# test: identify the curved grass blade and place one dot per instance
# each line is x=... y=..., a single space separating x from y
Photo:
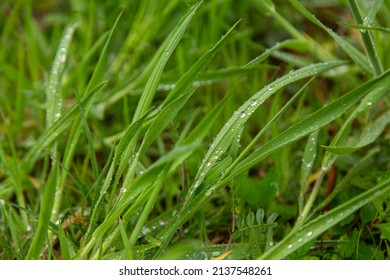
x=53 y=92
x=129 y=197
x=164 y=54
x=312 y=229
x=195 y=137
x=227 y=134
x=198 y=193
x=369 y=134
x=291 y=43
x=49 y=135
x=315 y=121
x=76 y=129
x=373 y=96
x=178 y=97
x=352 y=52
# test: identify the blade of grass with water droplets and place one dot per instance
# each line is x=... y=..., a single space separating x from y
x=353 y=53
x=164 y=54
x=225 y=137
x=369 y=134
x=313 y=122
x=379 y=91
x=196 y=197
x=178 y=97
x=314 y=228
x=63 y=122
x=53 y=91
x=309 y=156
x=369 y=45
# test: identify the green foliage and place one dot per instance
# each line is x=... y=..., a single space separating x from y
x=178 y=129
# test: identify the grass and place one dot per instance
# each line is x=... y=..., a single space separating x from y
x=194 y=130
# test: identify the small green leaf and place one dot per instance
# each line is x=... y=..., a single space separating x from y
x=260 y=216
x=385 y=230
x=272 y=218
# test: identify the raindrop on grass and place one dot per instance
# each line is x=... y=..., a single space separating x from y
x=309 y=233
x=242 y=115
x=253 y=102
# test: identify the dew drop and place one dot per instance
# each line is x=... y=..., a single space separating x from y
x=242 y=115
x=208 y=164
x=289 y=246
x=216 y=253
x=253 y=102
x=300 y=240
x=309 y=233
x=329 y=220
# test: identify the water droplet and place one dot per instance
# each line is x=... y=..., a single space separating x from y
x=300 y=240
x=289 y=246
x=369 y=103
x=309 y=233
x=271 y=244
x=242 y=115
x=329 y=220
x=208 y=164
x=62 y=58
x=235 y=112
x=253 y=102
x=341 y=214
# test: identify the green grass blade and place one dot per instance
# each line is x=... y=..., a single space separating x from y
x=178 y=97
x=352 y=52
x=366 y=38
x=307 y=165
x=165 y=52
x=67 y=251
x=199 y=193
x=291 y=43
x=374 y=96
x=315 y=121
x=314 y=228
x=44 y=215
x=63 y=122
x=95 y=165
x=53 y=91
x=369 y=134
x=227 y=134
